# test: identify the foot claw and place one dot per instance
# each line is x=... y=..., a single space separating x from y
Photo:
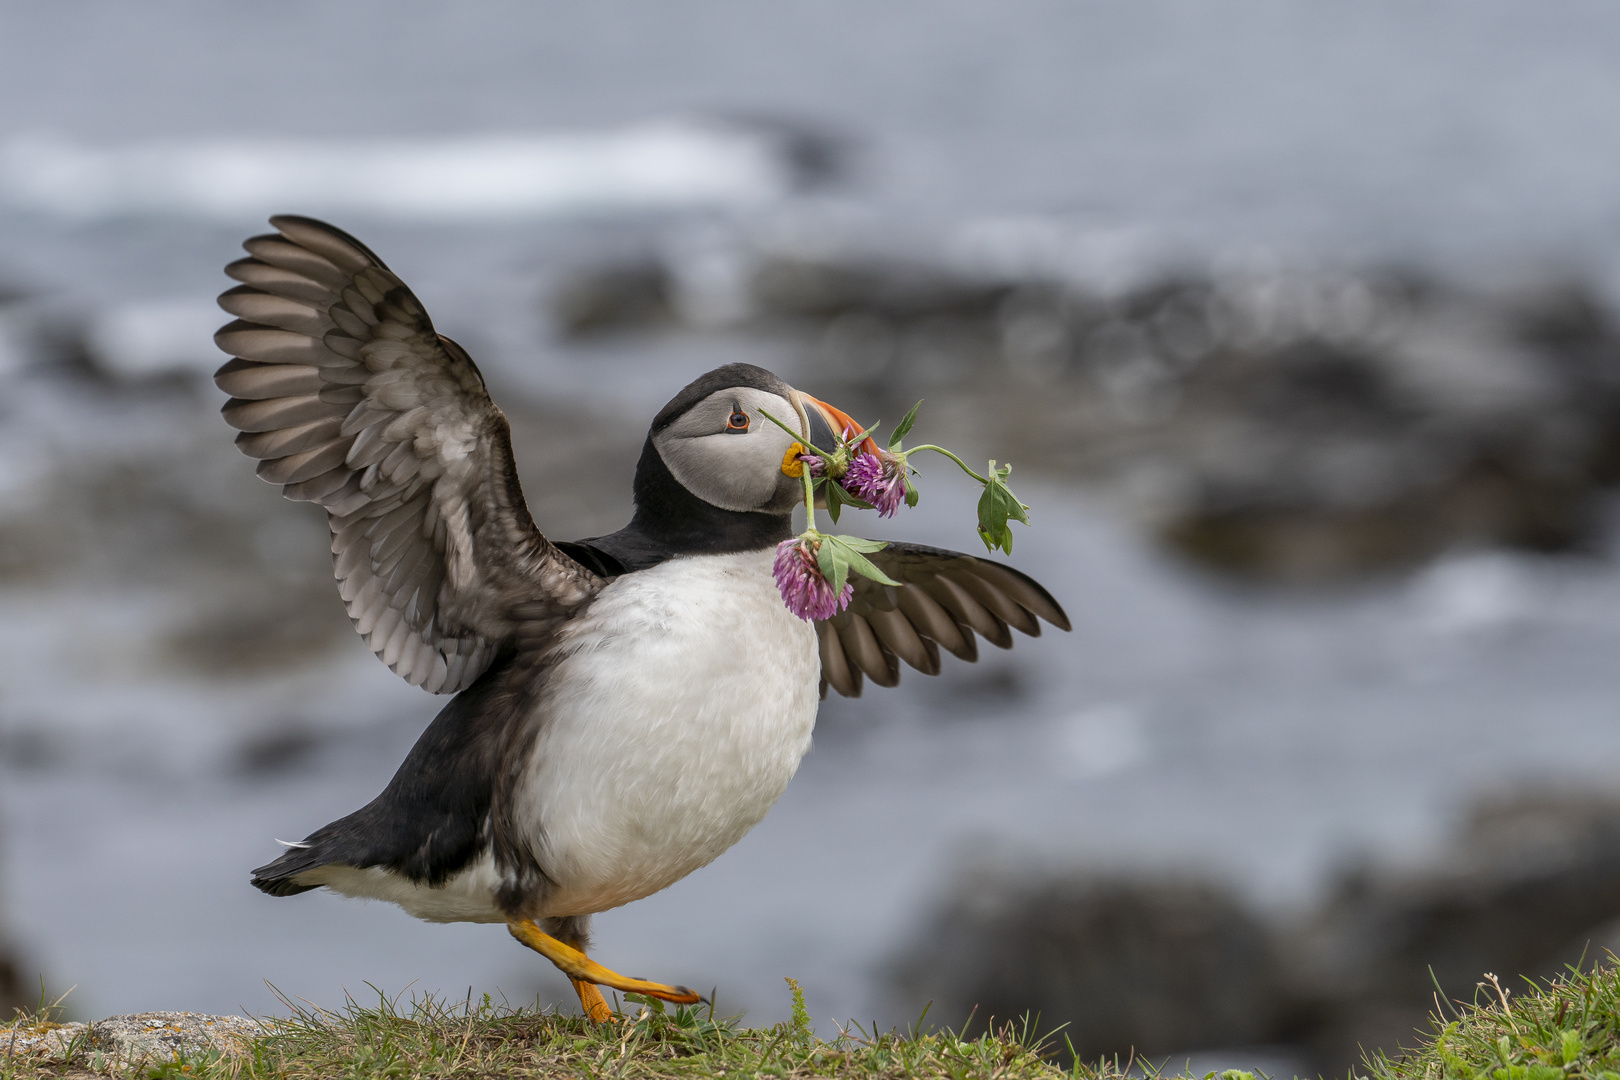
x=676 y=995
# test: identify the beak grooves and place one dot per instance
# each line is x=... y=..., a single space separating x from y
x=838 y=422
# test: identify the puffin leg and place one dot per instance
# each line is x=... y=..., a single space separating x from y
x=575 y=933
x=581 y=969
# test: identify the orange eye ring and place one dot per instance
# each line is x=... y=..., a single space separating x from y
x=739 y=421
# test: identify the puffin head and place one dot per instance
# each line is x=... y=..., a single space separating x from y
x=716 y=443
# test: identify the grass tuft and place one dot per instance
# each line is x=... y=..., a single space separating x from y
x=431 y=1037
x=1565 y=1028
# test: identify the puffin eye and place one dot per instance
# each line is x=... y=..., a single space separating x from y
x=738 y=422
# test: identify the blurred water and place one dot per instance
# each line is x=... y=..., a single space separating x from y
x=1261 y=737
x=502 y=177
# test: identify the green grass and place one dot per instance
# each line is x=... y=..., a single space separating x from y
x=429 y=1037
x=485 y=1039
x=1567 y=1028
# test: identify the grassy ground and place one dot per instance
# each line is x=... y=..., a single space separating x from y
x=1568 y=1030
x=434 y=1038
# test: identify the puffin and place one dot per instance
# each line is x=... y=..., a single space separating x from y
x=625 y=707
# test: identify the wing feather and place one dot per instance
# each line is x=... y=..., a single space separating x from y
x=279 y=280
x=996 y=602
x=934 y=622
x=836 y=670
x=896 y=633
x=968 y=611
x=350 y=399
x=944 y=599
x=247 y=303
x=284 y=441
x=864 y=650
x=245 y=379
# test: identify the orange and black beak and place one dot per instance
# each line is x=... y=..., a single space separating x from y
x=828 y=425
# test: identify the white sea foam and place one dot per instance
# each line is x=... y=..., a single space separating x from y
x=651 y=166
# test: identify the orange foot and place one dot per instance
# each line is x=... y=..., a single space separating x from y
x=590 y=1000
x=586 y=974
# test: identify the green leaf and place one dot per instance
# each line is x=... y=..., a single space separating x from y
x=837 y=498
x=864 y=567
x=904 y=428
x=833 y=560
x=997 y=506
x=850 y=548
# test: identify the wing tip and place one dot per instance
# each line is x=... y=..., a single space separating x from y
x=298 y=229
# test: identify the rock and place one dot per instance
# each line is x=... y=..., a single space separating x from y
x=1451 y=419
x=1308 y=426
x=634 y=295
x=161 y=1036
x=127 y=1042
x=1530 y=884
x=1154 y=965
x=820 y=289
x=43 y=1040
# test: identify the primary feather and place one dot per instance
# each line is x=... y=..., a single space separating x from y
x=944 y=598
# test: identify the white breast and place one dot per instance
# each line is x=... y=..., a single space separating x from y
x=679 y=712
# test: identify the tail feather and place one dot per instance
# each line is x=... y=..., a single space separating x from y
x=276 y=878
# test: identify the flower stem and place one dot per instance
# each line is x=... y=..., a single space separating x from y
x=804 y=476
x=941 y=450
x=803 y=439
x=809 y=499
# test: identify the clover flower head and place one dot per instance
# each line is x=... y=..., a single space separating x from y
x=805 y=590
x=878 y=480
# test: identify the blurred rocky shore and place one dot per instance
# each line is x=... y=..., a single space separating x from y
x=1279 y=424
x=1287 y=427
x=1160 y=966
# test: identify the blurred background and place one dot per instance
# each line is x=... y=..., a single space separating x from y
x=1297 y=321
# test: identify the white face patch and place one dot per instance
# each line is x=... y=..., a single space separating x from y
x=724 y=451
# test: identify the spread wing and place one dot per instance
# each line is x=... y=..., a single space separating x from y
x=349 y=398
x=946 y=598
